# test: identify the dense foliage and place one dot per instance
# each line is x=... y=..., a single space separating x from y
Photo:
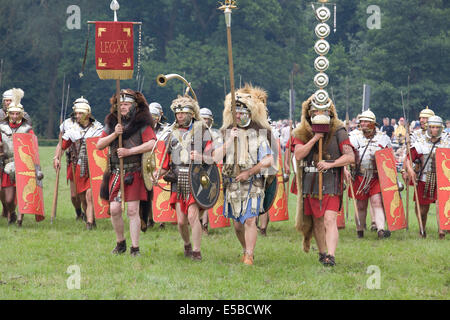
x=271 y=38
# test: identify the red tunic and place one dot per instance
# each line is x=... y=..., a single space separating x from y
x=136 y=190
x=312 y=204
x=82 y=183
x=424 y=199
x=6 y=181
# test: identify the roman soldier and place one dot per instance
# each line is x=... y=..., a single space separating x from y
x=13 y=122
x=74 y=137
x=138 y=138
x=423 y=119
x=246 y=169
x=6 y=101
x=146 y=211
x=208 y=118
x=187 y=143
x=425 y=152
x=315 y=215
x=69 y=124
x=366 y=184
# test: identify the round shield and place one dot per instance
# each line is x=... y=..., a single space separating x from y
x=204 y=181
x=148 y=166
x=270 y=194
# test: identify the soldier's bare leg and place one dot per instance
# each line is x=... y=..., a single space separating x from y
x=196 y=227
x=135 y=222
x=10 y=195
x=319 y=234
x=204 y=220
x=183 y=227
x=89 y=206
x=76 y=201
x=263 y=222
x=2 y=199
x=362 y=214
x=239 y=229
x=331 y=231
x=117 y=220
x=251 y=233
x=376 y=204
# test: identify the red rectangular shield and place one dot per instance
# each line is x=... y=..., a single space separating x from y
x=392 y=202
x=29 y=192
x=279 y=209
x=162 y=211
x=98 y=164
x=443 y=186
x=216 y=218
x=114 y=50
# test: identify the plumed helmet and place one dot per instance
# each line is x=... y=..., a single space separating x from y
x=426 y=113
x=17 y=95
x=367 y=116
x=206 y=113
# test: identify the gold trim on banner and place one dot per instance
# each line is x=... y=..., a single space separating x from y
x=115 y=74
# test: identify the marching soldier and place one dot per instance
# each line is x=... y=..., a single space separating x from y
x=69 y=124
x=366 y=183
x=75 y=138
x=138 y=138
x=315 y=215
x=208 y=118
x=13 y=122
x=424 y=115
x=244 y=183
x=425 y=152
x=181 y=152
x=159 y=129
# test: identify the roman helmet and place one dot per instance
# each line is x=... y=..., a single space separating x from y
x=368 y=116
x=435 y=121
x=82 y=105
x=426 y=113
x=155 y=111
x=207 y=116
x=7 y=95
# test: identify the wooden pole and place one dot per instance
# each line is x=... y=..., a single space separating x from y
x=320 y=173
x=119 y=120
x=58 y=170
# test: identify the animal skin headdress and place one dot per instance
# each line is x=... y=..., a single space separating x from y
x=187 y=101
x=304 y=131
x=255 y=99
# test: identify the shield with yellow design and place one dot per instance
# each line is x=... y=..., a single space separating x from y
x=279 y=209
x=30 y=198
x=392 y=202
x=98 y=164
x=443 y=186
x=162 y=211
x=215 y=214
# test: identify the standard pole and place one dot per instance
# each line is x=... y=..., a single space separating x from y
x=119 y=120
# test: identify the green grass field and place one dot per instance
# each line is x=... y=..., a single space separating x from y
x=35 y=258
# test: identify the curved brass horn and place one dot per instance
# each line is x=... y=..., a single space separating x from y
x=162 y=80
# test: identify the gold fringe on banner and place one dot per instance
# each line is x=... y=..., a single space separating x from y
x=115 y=74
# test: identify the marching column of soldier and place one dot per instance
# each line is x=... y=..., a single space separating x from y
x=245 y=185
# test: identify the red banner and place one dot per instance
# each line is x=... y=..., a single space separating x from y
x=98 y=164
x=387 y=173
x=443 y=186
x=279 y=209
x=29 y=193
x=215 y=214
x=162 y=211
x=114 y=50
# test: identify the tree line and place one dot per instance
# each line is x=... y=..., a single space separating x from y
x=272 y=39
